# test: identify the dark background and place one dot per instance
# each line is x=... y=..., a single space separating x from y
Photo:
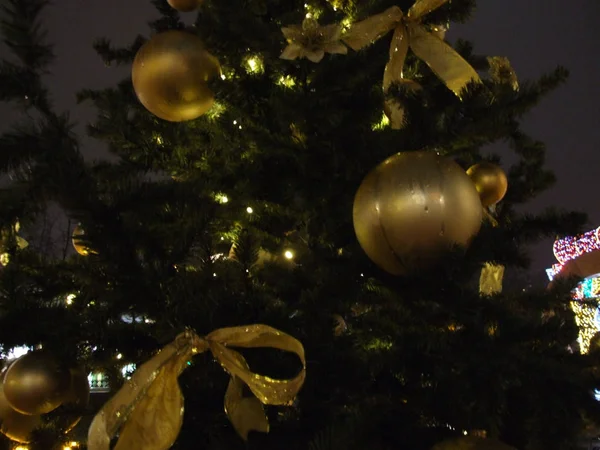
x=536 y=35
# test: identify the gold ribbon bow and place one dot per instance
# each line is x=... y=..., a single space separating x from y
x=148 y=410
x=445 y=62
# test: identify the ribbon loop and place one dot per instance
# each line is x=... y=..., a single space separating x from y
x=444 y=61
x=423 y=7
x=148 y=409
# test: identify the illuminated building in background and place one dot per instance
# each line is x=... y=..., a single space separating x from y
x=579 y=256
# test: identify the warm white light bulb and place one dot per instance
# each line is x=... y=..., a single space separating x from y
x=288 y=254
x=249 y=210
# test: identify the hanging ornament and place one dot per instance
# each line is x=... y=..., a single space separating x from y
x=490 y=181
x=409 y=33
x=13 y=424
x=8 y=237
x=18 y=426
x=184 y=5
x=472 y=443
x=311 y=41
x=170 y=76
x=490 y=280
x=78 y=242
x=75 y=402
x=36 y=383
x=147 y=412
x=412 y=207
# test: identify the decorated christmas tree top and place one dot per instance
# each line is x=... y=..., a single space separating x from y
x=284 y=168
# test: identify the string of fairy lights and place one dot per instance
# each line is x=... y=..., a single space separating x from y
x=586 y=315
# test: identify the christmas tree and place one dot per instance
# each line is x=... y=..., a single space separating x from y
x=247 y=190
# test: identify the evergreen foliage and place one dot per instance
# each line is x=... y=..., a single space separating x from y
x=420 y=358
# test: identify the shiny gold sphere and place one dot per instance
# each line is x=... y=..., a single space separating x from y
x=78 y=244
x=412 y=207
x=184 y=5
x=36 y=383
x=13 y=424
x=170 y=75
x=76 y=401
x=490 y=181
x=471 y=443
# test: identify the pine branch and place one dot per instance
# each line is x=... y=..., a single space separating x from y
x=111 y=55
x=25 y=37
x=168 y=21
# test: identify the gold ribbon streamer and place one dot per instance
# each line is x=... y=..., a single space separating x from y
x=443 y=60
x=148 y=409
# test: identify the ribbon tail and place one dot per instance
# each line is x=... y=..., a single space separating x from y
x=245 y=413
x=372 y=28
x=164 y=367
x=444 y=61
x=422 y=7
x=398 y=52
x=393 y=109
x=267 y=390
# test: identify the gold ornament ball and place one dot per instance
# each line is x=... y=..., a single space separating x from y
x=184 y=5
x=490 y=181
x=472 y=443
x=412 y=207
x=36 y=383
x=75 y=402
x=78 y=244
x=13 y=424
x=170 y=75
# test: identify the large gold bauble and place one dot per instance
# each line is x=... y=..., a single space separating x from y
x=412 y=207
x=184 y=5
x=68 y=415
x=78 y=243
x=170 y=75
x=36 y=383
x=13 y=424
x=471 y=443
x=490 y=181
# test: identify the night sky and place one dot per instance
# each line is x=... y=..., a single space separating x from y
x=536 y=35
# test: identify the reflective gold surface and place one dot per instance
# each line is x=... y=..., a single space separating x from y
x=170 y=75
x=413 y=206
x=76 y=400
x=490 y=181
x=148 y=409
x=13 y=424
x=36 y=383
x=78 y=244
x=184 y=5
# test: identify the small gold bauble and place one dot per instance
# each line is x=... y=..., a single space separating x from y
x=412 y=207
x=78 y=244
x=36 y=383
x=170 y=75
x=184 y=5
x=471 y=443
x=490 y=181
x=13 y=424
